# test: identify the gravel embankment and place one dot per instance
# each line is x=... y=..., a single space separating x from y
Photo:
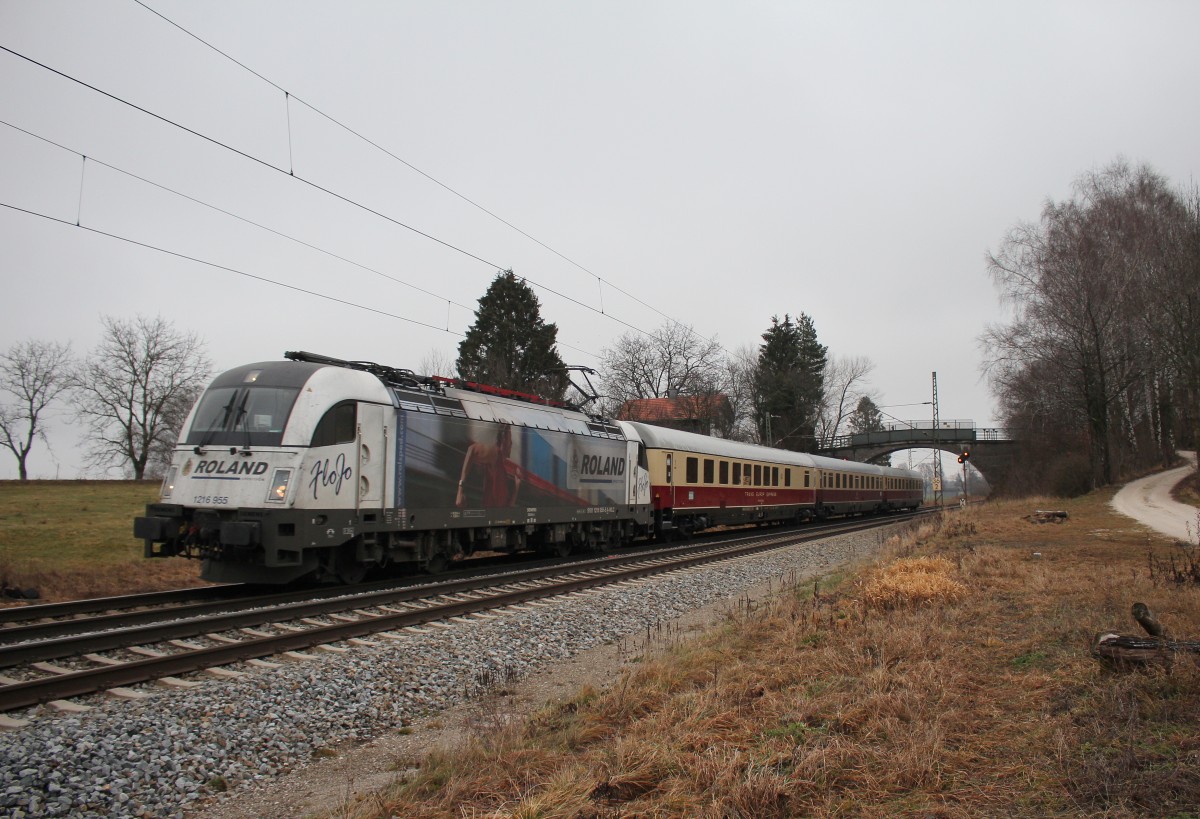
x=154 y=757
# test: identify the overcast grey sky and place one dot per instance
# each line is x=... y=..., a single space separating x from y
x=722 y=162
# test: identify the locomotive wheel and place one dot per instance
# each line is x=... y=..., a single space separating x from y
x=437 y=564
x=614 y=539
x=346 y=566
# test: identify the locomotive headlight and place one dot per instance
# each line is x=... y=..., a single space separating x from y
x=279 y=486
x=169 y=483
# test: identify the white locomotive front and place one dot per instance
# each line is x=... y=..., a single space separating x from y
x=315 y=467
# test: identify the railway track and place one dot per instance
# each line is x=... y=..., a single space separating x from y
x=201 y=637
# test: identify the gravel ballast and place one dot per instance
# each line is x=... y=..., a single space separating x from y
x=158 y=756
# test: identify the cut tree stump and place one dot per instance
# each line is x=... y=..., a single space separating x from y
x=1044 y=516
x=1123 y=652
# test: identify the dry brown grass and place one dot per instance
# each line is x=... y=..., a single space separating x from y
x=954 y=681
x=912 y=582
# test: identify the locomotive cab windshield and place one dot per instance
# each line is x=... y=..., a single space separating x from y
x=247 y=406
x=237 y=416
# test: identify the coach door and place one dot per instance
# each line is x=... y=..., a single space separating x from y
x=372 y=454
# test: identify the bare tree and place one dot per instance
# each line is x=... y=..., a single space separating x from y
x=437 y=362
x=1172 y=317
x=672 y=361
x=133 y=391
x=1086 y=285
x=740 y=388
x=845 y=382
x=35 y=374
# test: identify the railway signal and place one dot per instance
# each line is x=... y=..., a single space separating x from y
x=964 y=456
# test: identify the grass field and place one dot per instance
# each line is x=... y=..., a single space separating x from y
x=72 y=539
x=953 y=679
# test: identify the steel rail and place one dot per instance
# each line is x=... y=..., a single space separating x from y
x=207 y=618
x=218 y=592
x=77 y=683
x=55 y=639
x=90 y=605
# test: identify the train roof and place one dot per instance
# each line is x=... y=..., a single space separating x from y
x=267 y=373
x=666 y=438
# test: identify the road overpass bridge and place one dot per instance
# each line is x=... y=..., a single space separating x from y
x=992 y=450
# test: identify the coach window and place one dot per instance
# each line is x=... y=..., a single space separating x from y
x=774 y=476
x=737 y=473
x=708 y=470
x=693 y=470
x=806 y=479
x=787 y=477
x=338 y=426
x=758 y=474
x=724 y=473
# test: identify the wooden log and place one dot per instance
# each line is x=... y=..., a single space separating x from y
x=1122 y=652
x=1043 y=516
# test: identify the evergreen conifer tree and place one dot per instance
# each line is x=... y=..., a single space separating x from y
x=510 y=345
x=866 y=416
x=790 y=383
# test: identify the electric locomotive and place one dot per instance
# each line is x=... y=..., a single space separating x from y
x=319 y=468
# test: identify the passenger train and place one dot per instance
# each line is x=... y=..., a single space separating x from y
x=319 y=469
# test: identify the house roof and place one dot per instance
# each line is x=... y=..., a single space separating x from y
x=686 y=408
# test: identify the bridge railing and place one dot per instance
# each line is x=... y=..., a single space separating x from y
x=917 y=433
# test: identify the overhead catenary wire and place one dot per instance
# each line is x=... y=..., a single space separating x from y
x=227 y=268
x=263 y=279
x=310 y=183
x=228 y=213
x=290 y=95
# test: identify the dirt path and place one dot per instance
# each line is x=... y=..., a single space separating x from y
x=1148 y=500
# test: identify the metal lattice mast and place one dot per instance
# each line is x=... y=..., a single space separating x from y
x=937 y=450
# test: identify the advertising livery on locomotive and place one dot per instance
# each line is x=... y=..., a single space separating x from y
x=322 y=469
